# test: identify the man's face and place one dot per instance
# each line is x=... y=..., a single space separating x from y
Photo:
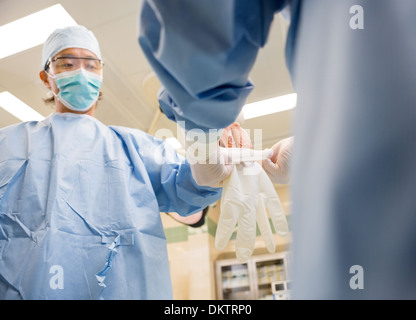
x=69 y=60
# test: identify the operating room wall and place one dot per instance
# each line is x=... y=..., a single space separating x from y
x=192 y=253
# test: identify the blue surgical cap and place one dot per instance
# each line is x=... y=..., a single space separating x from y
x=69 y=37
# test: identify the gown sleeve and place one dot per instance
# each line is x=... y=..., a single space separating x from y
x=202 y=52
x=168 y=172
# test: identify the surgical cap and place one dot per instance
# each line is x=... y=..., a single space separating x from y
x=70 y=37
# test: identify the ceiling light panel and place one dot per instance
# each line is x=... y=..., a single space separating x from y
x=269 y=106
x=18 y=108
x=32 y=30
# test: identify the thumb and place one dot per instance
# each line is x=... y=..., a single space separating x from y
x=269 y=166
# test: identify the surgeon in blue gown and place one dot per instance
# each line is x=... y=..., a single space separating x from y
x=353 y=177
x=80 y=202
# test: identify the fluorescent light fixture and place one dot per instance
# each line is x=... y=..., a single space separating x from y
x=174 y=143
x=32 y=30
x=18 y=108
x=269 y=106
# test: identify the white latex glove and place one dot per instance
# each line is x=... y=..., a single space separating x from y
x=212 y=171
x=277 y=167
x=220 y=164
x=247 y=193
x=210 y=163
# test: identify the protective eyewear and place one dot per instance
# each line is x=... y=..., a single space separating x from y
x=69 y=63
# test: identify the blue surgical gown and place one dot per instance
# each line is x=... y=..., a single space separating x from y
x=203 y=51
x=80 y=207
x=353 y=171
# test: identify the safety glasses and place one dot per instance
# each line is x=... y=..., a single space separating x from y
x=70 y=63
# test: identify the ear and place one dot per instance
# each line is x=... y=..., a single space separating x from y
x=45 y=79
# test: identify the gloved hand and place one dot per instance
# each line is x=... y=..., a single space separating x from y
x=210 y=163
x=211 y=171
x=277 y=167
x=247 y=193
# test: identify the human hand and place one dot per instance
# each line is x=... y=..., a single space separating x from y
x=277 y=167
x=215 y=166
x=235 y=137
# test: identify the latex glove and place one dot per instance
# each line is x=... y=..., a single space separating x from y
x=277 y=167
x=212 y=171
x=210 y=163
x=247 y=193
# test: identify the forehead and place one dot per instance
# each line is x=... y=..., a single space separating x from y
x=76 y=52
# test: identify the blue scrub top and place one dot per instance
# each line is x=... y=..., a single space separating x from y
x=80 y=207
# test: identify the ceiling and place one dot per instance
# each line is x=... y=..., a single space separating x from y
x=130 y=86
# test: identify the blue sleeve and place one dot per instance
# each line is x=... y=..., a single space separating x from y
x=169 y=173
x=202 y=52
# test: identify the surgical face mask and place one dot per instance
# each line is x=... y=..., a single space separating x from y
x=78 y=89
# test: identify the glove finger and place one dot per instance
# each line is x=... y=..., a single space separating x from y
x=246 y=232
x=277 y=215
x=264 y=227
x=273 y=170
x=273 y=204
x=236 y=136
x=269 y=166
x=230 y=212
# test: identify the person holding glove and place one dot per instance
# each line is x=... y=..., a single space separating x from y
x=353 y=181
x=80 y=201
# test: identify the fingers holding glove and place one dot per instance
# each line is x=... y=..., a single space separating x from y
x=210 y=162
x=278 y=166
x=235 y=137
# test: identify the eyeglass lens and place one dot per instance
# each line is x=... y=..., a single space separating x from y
x=62 y=64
